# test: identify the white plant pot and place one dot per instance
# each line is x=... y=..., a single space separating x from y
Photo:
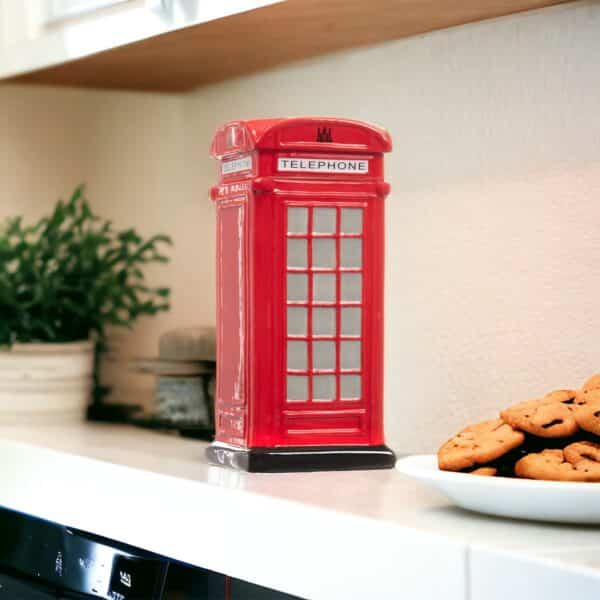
x=45 y=383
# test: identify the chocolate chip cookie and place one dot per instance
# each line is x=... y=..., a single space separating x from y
x=593 y=383
x=478 y=444
x=548 y=417
x=583 y=398
x=485 y=471
x=577 y=462
x=588 y=417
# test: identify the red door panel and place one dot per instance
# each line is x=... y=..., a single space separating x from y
x=326 y=398
x=231 y=385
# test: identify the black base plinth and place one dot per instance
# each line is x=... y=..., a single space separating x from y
x=314 y=458
x=196 y=431
x=107 y=412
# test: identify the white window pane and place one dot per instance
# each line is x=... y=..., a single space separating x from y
x=350 y=387
x=324 y=220
x=352 y=220
x=297 y=288
x=297 y=388
x=323 y=253
x=351 y=321
x=323 y=321
x=351 y=253
x=297 y=220
x=323 y=287
x=323 y=356
x=350 y=355
x=297 y=320
x=297 y=356
x=296 y=253
x=351 y=287
x=62 y=9
x=323 y=388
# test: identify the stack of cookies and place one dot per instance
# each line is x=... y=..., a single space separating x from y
x=555 y=437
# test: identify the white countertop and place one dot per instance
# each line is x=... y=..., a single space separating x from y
x=335 y=535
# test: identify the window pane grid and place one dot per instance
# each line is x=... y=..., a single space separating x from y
x=326 y=304
x=325 y=380
x=324 y=372
x=323 y=338
x=321 y=270
x=329 y=270
x=338 y=323
x=315 y=234
x=310 y=298
x=304 y=303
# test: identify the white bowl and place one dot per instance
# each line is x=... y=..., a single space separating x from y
x=561 y=502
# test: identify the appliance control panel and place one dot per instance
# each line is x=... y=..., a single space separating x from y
x=76 y=561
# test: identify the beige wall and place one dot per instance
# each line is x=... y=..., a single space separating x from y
x=130 y=150
x=493 y=256
x=493 y=252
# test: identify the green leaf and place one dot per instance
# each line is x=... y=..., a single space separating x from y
x=71 y=274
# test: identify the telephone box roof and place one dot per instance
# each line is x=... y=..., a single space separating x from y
x=315 y=134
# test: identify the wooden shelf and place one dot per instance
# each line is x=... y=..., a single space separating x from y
x=246 y=42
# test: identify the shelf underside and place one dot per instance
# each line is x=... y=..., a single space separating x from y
x=263 y=38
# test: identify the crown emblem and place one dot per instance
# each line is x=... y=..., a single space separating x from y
x=324 y=134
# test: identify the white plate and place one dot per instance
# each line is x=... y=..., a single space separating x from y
x=506 y=497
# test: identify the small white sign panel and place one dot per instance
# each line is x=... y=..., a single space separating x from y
x=324 y=165
x=238 y=164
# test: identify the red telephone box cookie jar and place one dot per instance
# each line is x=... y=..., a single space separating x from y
x=300 y=242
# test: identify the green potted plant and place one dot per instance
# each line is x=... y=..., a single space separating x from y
x=63 y=281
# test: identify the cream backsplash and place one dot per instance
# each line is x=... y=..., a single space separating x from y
x=493 y=256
